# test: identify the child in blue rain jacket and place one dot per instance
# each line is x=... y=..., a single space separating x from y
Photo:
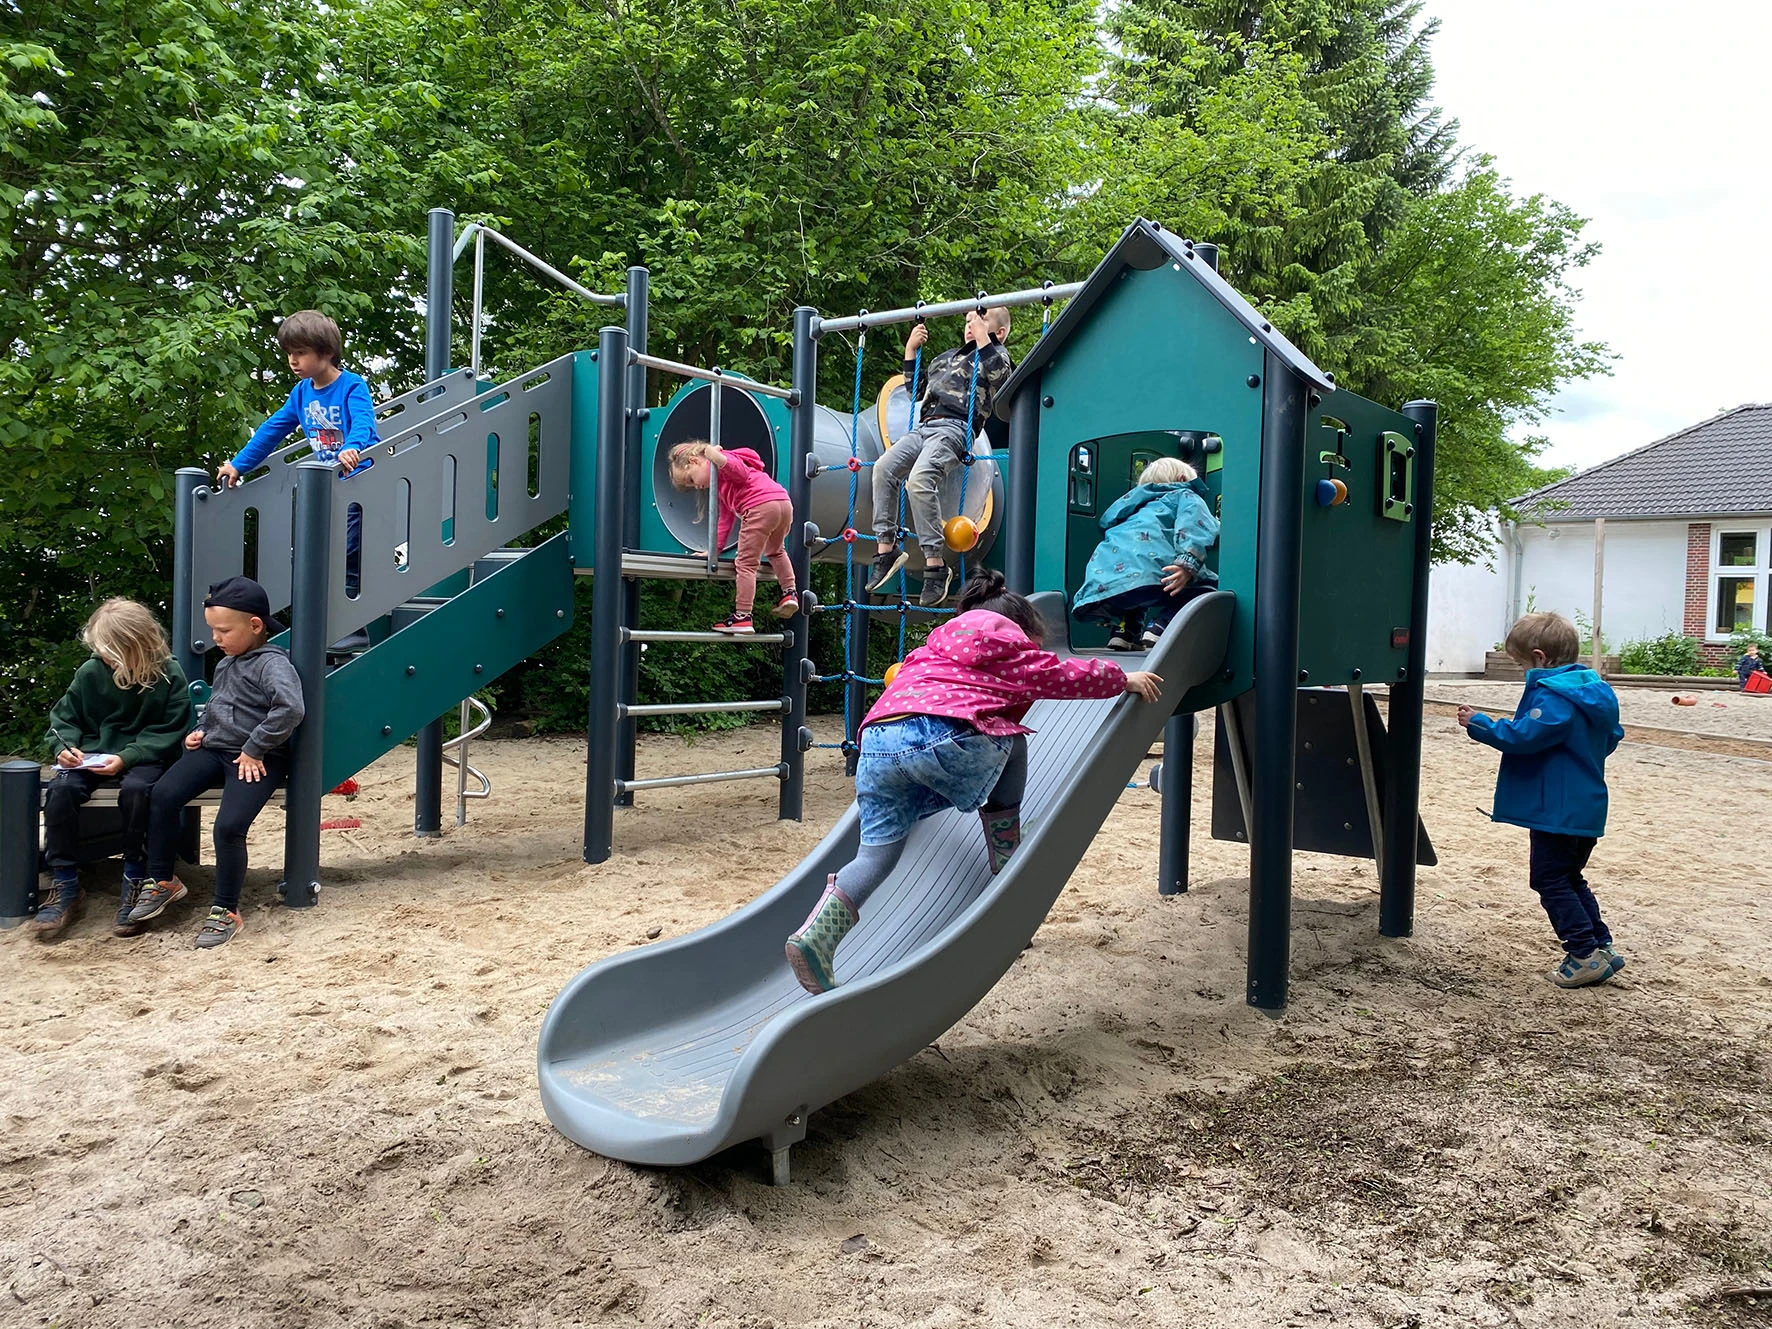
x=1152 y=555
x=1553 y=782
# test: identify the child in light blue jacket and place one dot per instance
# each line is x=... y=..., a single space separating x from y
x=1553 y=783
x=1152 y=555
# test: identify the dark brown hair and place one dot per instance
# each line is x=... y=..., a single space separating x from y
x=310 y=330
x=988 y=591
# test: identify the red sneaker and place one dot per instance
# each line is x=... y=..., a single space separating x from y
x=787 y=606
x=735 y=625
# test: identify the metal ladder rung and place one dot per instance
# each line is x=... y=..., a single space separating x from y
x=699 y=708
x=708 y=638
x=778 y=771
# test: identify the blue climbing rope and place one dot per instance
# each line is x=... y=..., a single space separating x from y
x=966 y=455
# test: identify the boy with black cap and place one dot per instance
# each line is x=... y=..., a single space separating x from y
x=254 y=706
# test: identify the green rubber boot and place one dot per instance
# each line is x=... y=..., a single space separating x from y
x=812 y=951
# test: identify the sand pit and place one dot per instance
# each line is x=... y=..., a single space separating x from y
x=334 y=1122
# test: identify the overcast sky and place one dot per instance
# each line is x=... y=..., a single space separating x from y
x=1655 y=122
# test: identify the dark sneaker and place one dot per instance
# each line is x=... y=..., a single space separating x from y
x=221 y=927
x=937 y=582
x=132 y=894
x=1150 y=639
x=155 y=896
x=735 y=625
x=353 y=644
x=787 y=606
x=1121 y=642
x=55 y=913
x=1594 y=967
x=885 y=567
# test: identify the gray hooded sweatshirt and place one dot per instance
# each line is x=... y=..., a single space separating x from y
x=255 y=704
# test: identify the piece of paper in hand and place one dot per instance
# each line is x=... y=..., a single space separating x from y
x=94 y=760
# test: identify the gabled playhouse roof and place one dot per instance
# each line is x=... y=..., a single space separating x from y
x=1719 y=467
x=1145 y=245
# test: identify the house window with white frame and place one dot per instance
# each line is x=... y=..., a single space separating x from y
x=1738 y=571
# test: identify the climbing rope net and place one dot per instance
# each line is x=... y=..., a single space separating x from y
x=960 y=538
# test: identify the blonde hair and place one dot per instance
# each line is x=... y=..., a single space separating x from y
x=996 y=318
x=1166 y=471
x=682 y=458
x=127 y=636
x=1551 y=633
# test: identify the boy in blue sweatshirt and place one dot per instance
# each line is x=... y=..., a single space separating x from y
x=329 y=404
x=1553 y=782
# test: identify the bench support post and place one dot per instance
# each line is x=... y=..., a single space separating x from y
x=20 y=800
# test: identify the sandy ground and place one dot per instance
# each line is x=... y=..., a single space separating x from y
x=333 y=1121
x=1737 y=714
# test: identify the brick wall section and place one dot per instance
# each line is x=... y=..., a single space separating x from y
x=1697 y=577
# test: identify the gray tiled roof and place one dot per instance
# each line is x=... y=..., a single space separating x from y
x=1720 y=467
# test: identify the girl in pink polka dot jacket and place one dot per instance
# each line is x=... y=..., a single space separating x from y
x=947 y=733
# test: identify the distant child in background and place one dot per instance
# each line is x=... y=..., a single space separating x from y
x=947 y=733
x=1152 y=555
x=120 y=722
x=748 y=494
x=1553 y=782
x=329 y=404
x=254 y=707
x=1749 y=664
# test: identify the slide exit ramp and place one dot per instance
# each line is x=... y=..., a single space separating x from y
x=670 y=1054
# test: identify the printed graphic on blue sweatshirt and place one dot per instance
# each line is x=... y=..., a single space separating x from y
x=338 y=416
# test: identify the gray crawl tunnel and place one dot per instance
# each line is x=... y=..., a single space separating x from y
x=760 y=424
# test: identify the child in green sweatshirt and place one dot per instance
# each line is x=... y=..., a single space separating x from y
x=121 y=721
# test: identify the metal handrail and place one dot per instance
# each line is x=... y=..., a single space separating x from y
x=1010 y=300
x=704 y=638
x=459 y=745
x=701 y=708
x=477 y=232
x=710 y=375
x=779 y=772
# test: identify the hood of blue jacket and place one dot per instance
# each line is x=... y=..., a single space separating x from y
x=1582 y=688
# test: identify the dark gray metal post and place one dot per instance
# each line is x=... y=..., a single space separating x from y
x=185 y=484
x=627 y=739
x=1208 y=253
x=603 y=729
x=1177 y=793
x=311 y=603
x=1402 y=789
x=19 y=802
x=439 y=292
x=796 y=653
x=1280 y=539
x=427 y=802
x=1018 y=522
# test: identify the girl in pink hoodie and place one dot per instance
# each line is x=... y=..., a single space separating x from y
x=947 y=733
x=747 y=491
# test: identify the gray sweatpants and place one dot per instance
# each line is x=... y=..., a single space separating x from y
x=920 y=461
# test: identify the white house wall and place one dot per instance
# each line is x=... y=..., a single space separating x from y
x=1470 y=606
x=1466 y=614
x=1645 y=576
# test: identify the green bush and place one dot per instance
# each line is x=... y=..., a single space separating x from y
x=1669 y=653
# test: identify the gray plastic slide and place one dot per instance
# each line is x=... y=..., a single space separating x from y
x=672 y=1053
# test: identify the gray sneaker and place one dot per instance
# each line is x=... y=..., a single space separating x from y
x=131 y=896
x=1614 y=961
x=221 y=927
x=937 y=582
x=154 y=898
x=1594 y=967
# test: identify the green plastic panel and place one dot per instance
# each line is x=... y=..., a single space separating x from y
x=1158 y=354
x=1358 y=575
x=384 y=696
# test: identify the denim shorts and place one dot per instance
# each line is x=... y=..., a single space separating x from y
x=918 y=766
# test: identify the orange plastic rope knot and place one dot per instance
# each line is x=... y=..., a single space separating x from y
x=960 y=534
x=849 y=535
x=855 y=464
x=891 y=673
